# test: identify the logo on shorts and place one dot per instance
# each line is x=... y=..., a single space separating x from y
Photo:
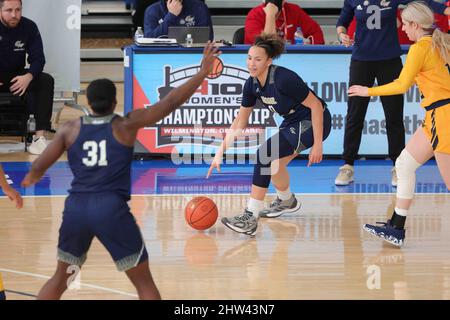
x=293 y=130
x=384 y=3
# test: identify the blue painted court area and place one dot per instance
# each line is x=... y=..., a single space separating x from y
x=163 y=177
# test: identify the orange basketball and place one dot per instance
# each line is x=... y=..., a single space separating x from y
x=216 y=70
x=201 y=213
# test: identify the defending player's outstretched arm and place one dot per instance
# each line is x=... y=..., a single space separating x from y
x=143 y=118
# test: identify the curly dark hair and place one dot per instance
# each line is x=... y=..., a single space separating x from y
x=271 y=43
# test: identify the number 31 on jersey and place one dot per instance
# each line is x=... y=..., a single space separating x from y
x=96 y=154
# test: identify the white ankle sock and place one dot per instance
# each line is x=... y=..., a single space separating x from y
x=401 y=212
x=284 y=195
x=255 y=206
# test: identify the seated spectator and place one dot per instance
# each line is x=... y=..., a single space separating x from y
x=441 y=22
x=178 y=13
x=284 y=22
x=20 y=37
x=139 y=11
x=138 y=14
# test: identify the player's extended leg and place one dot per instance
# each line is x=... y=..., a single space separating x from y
x=57 y=284
x=300 y=137
x=274 y=148
x=142 y=279
x=417 y=152
x=73 y=244
x=286 y=202
x=116 y=228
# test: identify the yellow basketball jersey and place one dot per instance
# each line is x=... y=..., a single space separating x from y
x=425 y=67
x=433 y=79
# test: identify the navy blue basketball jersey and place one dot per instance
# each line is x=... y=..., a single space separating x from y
x=283 y=93
x=98 y=161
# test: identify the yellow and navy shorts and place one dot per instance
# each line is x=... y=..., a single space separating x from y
x=437 y=126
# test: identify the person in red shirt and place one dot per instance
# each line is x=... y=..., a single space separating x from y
x=268 y=18
x=440 y=20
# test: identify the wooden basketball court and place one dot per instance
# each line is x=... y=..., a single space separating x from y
x=321 y=253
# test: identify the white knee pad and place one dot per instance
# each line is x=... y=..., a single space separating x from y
x=406 y=167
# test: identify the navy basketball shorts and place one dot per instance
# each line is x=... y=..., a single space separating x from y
x=293 y=137
x=106 y=216
x=297 y=136
x=300 y=135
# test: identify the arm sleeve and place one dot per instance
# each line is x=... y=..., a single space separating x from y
x=254 y=25
x=248 y=98
x=310 y=28
x=36 y=57
x=152 y=27
x=435 y=6
x=346 y=16
x=292 y=85
x=414 y=62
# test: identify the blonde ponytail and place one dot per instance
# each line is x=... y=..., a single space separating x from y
x=420 y=13
x=441 y=43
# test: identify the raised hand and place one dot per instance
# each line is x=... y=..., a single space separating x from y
x=271 y=9
x=209 y=55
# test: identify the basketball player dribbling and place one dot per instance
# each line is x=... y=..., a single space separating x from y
x=100 y=150
x=307 y=122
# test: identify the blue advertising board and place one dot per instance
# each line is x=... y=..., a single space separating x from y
x=199 y=125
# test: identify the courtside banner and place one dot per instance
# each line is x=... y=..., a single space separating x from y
x=198 y=127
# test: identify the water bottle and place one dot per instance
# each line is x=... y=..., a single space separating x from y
x=189 y=40
x=31 y=127
x=139 y=34
x=298 y=36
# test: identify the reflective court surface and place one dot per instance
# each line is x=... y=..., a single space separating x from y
x=319 y=253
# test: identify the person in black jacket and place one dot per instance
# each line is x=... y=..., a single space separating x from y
x=19 y=37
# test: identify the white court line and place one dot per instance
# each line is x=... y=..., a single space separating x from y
x=246 y=194
x=40 y=276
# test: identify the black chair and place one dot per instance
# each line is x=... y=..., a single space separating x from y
x=238 y=37
x=13 y=116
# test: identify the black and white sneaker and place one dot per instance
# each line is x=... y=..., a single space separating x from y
x=279 y=207
x=245 y=223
